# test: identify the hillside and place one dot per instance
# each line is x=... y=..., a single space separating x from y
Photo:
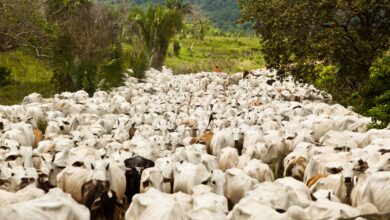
x=223 y=13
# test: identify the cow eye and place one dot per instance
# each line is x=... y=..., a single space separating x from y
x=213 y=182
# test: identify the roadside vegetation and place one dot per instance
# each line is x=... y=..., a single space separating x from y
x=54 y=46
x=340 y=46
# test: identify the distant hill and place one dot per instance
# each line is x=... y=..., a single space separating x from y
x=223 y=13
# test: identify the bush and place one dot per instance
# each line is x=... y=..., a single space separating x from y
x=381 y=112
x=140 y=65
x=176 y=48
x=374 y=98
x=87 y=49
x=4 y=75
x=111 y=71
x=42 y=124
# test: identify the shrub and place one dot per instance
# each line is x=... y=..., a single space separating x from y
x=374 y=97
x=4 y=75
x=42 y=124
x=140 y=65
x=176 y=48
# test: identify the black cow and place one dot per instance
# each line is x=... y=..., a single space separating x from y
x=134 y=168
x=104 y=207
x=44 y=182
x=99 y=199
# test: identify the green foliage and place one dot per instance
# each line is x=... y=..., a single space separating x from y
x=333 y=44
x=176 y=47
x=325 y=79
x=380 y=116
x=223 y=13
x=198 y=29
x=42 y=125
x=374 y=97
x=176 y=4
x=140 y=65
x=87 y=50
x=28 y=74
x=110 y=73
x=157 y=25
x=23 y=25
x=4 y=75
x=298 y=35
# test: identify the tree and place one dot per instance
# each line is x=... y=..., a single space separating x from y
x=157 y=25
x=23 y=25
x=32 y=24
x=89 y=43
x=298 y=35
x=374 y=97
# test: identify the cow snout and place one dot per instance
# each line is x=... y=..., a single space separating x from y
x=24 y=182
x=31 y=180
x=348 y=180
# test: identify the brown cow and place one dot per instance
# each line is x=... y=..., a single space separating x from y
x=38 y=137
x=206 y=140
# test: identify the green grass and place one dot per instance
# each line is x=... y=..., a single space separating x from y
x=28 y=75
x=231 y=54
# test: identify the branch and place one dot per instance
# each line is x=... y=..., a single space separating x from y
x=8 y=35
x=24 y=32
x=17 y=36
x=38 y=54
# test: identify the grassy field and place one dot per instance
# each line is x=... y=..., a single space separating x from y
x=28 y=75
x=231 y=54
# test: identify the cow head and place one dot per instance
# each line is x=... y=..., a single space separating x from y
x=91 y=190
x=296 y=168
x=151 y=177
x=100 y=170
x=134 y=167
x=44 y=181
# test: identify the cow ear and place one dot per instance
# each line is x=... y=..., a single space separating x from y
x=92 y=166
x=108 y=166
x=329 y=196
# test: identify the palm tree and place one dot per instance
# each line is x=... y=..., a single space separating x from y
x=157 y=25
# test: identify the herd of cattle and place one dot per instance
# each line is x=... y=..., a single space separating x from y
x=198 y=146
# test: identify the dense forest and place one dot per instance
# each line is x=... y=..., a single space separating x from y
x=223 y=13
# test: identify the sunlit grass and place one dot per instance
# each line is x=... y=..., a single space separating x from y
x=231 y=54
x=28 y=75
